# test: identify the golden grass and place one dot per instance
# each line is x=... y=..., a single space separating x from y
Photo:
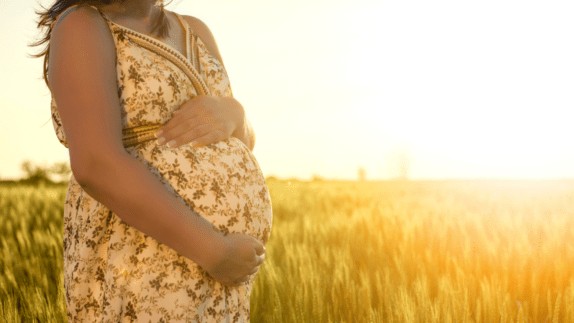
x=356 y=252
x=31 y=288
x=419 y=252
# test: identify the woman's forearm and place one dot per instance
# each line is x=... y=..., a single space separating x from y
x=137 y=196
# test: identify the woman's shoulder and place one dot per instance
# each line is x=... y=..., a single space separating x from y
x=79 y=14
x=81 y=24
x=78 y=33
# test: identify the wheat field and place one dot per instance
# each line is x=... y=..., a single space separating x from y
x=453 y=251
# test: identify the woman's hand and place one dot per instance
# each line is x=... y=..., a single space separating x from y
x=239 y=258
x=203 y=120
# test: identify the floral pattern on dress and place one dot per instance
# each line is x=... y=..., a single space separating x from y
x=115 y=273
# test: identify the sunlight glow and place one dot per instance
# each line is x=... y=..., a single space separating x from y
x=462 y=89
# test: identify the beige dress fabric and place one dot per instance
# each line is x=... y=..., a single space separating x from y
x=115 y=273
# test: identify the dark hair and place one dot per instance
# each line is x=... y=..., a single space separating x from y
x=49 y=16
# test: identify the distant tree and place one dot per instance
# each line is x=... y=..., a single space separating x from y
x=61 y=171
x=362 y=174
x=317 y=178
x=35 y=174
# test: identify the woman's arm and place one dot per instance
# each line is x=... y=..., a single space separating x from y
x=206 y=119
x=82 y=78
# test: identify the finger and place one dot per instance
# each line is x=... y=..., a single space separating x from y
x=187 y=111
x=179 y=125
x=177 y=117
x=259 y=259
x=242 y=280
x=212 y=137
x=192 y=107
x=188 y=117
x=190 y=136
x=259 y=247
x=254 y=271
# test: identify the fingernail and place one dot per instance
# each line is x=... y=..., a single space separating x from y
x=194 y=144
x=160 y=140
x=171 y=144
x=158 y=133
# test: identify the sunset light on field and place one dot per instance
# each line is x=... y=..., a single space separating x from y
x=413 y=162
x=455 y=89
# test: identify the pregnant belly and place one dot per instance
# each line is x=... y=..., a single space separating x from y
x=222 y=182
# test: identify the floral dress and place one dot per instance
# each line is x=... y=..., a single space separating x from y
x=115 y=273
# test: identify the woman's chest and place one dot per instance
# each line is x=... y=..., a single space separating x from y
x=154 y=79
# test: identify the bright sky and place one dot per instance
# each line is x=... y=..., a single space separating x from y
x=460 y=89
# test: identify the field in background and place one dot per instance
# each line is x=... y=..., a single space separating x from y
x=31 y=288
x=477 y=251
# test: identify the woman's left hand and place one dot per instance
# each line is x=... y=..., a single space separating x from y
x=201 y=121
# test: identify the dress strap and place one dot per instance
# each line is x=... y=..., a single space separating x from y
x=73 y=7
x=190 y=43
x=101 y=13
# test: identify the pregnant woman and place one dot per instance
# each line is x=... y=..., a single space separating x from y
x=167 y=212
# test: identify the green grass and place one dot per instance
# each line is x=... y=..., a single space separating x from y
x=356 y=252
x=31 y=288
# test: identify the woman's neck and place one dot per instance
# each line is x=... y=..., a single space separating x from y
x=145 y=10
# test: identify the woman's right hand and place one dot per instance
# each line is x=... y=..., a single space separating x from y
x=238 y=259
